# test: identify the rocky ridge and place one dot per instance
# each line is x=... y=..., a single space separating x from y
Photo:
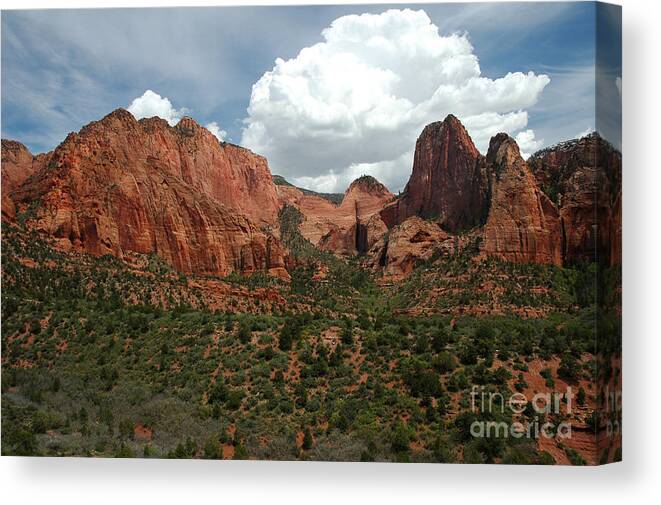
x=121 y=185
x=560 y=207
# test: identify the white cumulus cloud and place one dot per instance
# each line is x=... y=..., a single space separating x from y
x=214 y=128
x=152 y=104
x=528 y=144
x=356 y=102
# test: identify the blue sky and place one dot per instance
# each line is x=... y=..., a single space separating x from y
x=64 y=68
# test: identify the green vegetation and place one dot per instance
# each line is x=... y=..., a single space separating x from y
x=105 y=359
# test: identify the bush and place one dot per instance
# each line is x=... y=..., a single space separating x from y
x=444 y=362
x=439 y=339
x=421 y=380
x=347 y=333
x=244 y=333
x=569 y=368
x=124 y=451
x=468 y=354
x=290 y=332
x=400 y=439
x=212 y=449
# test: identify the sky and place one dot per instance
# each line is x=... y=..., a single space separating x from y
x=326 y=93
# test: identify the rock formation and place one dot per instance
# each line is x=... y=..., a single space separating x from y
x=397 y=252
x=584 y=177
x=449 y=180
x=17 y=165
x=522 y=224
x=345 y=229
x=561 y=207
x=232 y=175
x=123 y=185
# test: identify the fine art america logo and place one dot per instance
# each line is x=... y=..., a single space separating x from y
x=542 y=405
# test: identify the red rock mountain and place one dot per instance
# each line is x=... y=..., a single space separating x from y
x=17 y=165
x=122 y=185
x=584 y=178
x=449 y=181
x=561 y=207
x=345 y=229
x=523 y=225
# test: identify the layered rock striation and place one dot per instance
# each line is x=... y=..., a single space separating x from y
x=522 y=224
x=123 y=185
x=449 y=182
x=18 y=163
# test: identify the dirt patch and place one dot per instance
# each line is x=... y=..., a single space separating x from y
x=142 y=432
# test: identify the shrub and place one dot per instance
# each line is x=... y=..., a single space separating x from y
x=569 y=368
x=400 y=439
x=244 y=333
x=347 y=333
x=444 y=362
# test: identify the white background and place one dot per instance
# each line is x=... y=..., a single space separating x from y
x=636 y=480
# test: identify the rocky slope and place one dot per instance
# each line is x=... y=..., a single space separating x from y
x=345 y=229
x=121 y=185
x=232 y=175
x=397 y=252
x=584 y=178
x=449 y=182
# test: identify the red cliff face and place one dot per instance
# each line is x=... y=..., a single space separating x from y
x=584 y=177
x=123 y=185
x=562 y=207
x=232 y=175
x=17 y=165
x=345 y=229
x=449 y=180
x=523 y=225
x=397 y=253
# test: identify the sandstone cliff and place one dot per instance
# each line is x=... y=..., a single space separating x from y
x=449 y=181
x=232 y=175
x=345 y=229
x=17 y=165
x=561 y=207
x=415 y=240
x=523 y=225
x=584 y=178
x=123 y=185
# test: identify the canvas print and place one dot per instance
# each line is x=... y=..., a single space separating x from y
x=370 y=233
